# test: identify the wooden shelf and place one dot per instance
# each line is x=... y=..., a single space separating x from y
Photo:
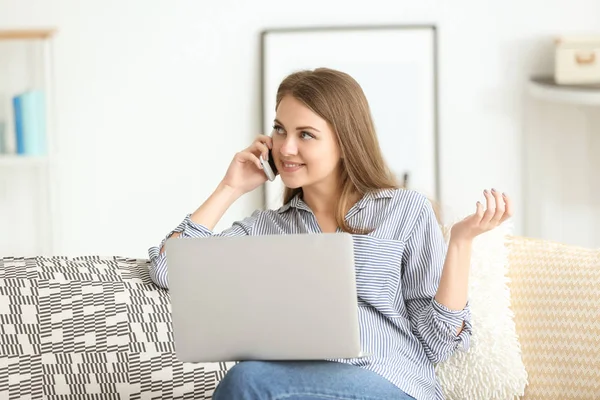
x=27 y=34
x=546 y=88
x=13 y=160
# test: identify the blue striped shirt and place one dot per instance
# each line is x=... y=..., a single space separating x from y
x=398 y=268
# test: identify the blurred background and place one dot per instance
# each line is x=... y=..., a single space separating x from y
x=144 y=104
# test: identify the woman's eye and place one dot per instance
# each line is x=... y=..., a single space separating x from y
x=305 y=135
x=278 y=129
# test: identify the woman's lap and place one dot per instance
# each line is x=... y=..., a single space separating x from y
x=303 y=380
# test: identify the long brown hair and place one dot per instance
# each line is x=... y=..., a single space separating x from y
x=337 y=98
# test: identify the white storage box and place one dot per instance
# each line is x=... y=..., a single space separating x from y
x=577 y=60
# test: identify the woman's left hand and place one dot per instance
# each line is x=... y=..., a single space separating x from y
x=497 y=210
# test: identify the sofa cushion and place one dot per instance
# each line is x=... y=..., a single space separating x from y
x=91 y=325
x=556 y=300
x=493 y=367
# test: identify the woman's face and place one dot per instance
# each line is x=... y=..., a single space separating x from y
x=305 y=147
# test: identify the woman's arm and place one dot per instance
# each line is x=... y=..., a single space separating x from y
x=435 y=279
x=433 y=324
x=200 y=224
x=243 y=175
x=213 y=209
x=158 y=268
x=453 y=289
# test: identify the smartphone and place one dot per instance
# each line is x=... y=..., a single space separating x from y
x=269 y=167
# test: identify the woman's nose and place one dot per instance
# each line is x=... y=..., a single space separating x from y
x=289 y=148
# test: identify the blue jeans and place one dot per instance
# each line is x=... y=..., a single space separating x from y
x=304 y=380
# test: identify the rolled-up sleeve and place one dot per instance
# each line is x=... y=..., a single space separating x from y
x=436 y=326
x=158 y=270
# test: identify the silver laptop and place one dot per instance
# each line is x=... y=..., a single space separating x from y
x=275 y=297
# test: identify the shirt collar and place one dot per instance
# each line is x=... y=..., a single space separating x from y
x=297 y=202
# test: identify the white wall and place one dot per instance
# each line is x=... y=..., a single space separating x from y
x=564 y=197
x=154 y=97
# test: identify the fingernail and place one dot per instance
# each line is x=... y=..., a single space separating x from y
x=485 y=191
x=503 y=194
x=493 y=190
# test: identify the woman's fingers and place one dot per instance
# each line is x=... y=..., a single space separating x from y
x=267 y=140
x=479 y=212
x=259 y=148
x=508 y=205
x=490 y=207
x=500 y=207
x=247 y=156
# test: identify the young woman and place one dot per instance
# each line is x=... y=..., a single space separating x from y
x=412 y=288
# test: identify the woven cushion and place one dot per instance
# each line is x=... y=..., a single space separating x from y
x=91 y=327
x=556 y=300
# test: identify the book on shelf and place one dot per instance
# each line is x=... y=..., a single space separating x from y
x=30 y=123
x=3 y=146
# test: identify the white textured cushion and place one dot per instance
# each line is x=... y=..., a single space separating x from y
x=493 y=367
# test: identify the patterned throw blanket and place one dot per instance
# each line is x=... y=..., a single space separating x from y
x=91 y=328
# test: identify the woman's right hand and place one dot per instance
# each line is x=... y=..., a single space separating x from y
x=245 y=172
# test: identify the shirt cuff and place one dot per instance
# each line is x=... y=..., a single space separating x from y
x=454 y=320
x=194 y=230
